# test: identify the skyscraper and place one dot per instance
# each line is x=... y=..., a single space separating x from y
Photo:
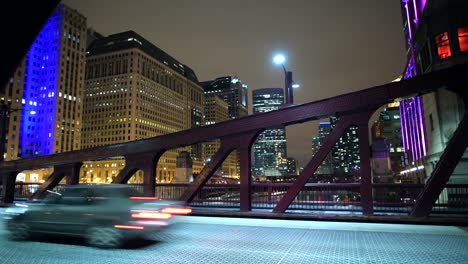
x=345 y=153
x=216 y=111
x=134 y=90
x=232 y=90
x=436 y=33
x=327 y=165
x=388 y=127
x=270 y=145
x=44 y=97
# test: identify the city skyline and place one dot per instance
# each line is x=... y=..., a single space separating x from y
x=320 y=42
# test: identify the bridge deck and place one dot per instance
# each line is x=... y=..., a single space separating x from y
x=242 y=240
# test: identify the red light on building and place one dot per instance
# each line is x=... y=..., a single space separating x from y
x=463 y=38
x=443 y=45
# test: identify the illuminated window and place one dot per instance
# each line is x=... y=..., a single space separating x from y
x=443 y=45
x=463 y=38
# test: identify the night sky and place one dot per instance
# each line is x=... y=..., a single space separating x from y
x=332 y=46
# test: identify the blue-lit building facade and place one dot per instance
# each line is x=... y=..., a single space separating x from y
x=47 y=117
x=436 y=33
x=270 y=156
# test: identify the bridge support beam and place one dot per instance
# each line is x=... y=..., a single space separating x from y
x=444 y=169
x=145 y=162
x=72 y=172
x=8 y=187
x=313 y=164
x=367 y=201
x=216 y=161
x=243 y=143
x=245 y=150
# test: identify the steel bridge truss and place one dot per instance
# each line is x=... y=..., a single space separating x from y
x=353 y=109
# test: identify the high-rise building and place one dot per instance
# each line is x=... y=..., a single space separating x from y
x=232 y=90
x=292 y=166
x=327 y=166
x=216 y=111
x=345 y=153
x=270 y=145
x=44 y=96
x=134 y=90
x=436 y=33
x=388 y=126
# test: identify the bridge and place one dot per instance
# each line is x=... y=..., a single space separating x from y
x=353 y=109
x=274 y=231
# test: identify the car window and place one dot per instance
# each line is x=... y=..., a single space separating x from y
x=78 y=196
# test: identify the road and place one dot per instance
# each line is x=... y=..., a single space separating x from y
x=240 y=240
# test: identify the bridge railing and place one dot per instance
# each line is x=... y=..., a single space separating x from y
x=339 y=198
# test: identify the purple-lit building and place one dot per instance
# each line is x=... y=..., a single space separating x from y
x=45 y=94
x=437 y=37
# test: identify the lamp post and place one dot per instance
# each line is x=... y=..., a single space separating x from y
x=289 y=84
x=5 y=111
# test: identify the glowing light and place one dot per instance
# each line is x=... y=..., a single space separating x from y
x=279 y=59
x=151 y=215
x=129 y=227
x=143 y=198
x=295 y=85
x=158 y=223
x=172 y=210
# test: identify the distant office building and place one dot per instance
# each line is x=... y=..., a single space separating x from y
x=326 y=167
x=270 y=146
x=216 y=111
x=345 y=153
x=232 y=90
x=388 y=127
x=92 y=35
x=293 y=166
x=44 y=96
x=381 y=165
x=436 y=33
x=134 y=90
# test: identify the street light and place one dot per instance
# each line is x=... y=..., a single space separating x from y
x=289 y=84
x=5 y=111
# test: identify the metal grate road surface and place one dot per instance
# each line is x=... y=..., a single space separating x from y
x=218 y=240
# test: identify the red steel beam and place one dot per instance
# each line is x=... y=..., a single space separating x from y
x=361 y=101
x=444 y=169
x=313 y=164
x=227 y=146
